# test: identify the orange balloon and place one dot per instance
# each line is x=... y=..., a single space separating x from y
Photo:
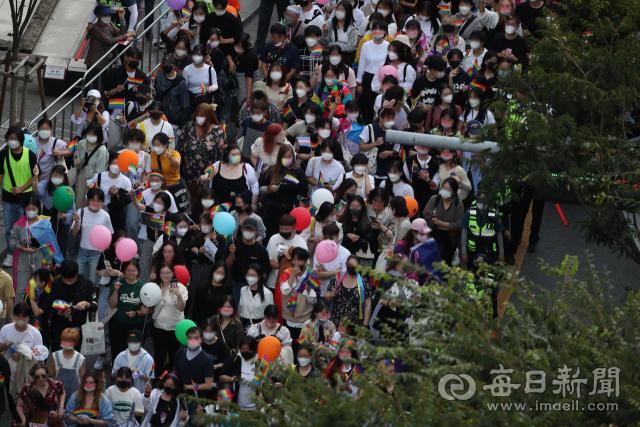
x=269 y=347
x=412 y=205
x=127 y=158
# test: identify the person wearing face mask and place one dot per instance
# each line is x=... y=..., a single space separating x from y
x=383 y=7
x=210 y=293
x=168 y=162
x=312 y=15
x=495 y=21
x=280 y=247
x=481 y=239
x=328 y=164
x=90 y=395
x=49 y=148
x=40 y=304
x=276 y=82
x=449 y=30
x=162 y=401
x=254 y=296
x=157 y=185
x=311 y=125
x=185 y=242
x=469 y=24
x=213 y=345
x=341 y=29
x=326 y=271
x=231 y=177
x=396 y=57
x=77 y=290
x=19 y=332
x=135 y=140
x=510 y=44
x=270 y=327
x=295 y=26
x=373 y=54
x=135 y=109
x=91 y=110
x=475 y=110
x=305 y=367
x=444 y=214
x=359 y=173
x=254 y=126
x=198 y=74
x=461 y=80
x=529 y=13
x=124 y=397
x=239 y=371
x=243 y=211
x=156 y=123
x=355 y=225
x=116 y=188
x=443 y=100
x=342 y=368
x=329 y=93
x=173 y=94
x=264 y=152
x=68 y=365
x=319 y=329
x=372 y=139
x=279 y=49
x=298 y=103
x=477 y=42
x=425 y=86
x=350 y=296
x=309 y=61
x=426 y=14
x=89 y=159
x=449 y=167
x=231 y=330
x=198 y=14
x=247 y=250
x=244 y=64
x=327 y=214
x=390 y=294
x=259 y=94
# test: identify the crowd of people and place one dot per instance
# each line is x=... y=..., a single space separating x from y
x=315 y=96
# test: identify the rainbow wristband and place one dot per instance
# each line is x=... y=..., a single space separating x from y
x=147 y=393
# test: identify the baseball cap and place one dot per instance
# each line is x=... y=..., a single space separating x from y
x=250 y=224
x=168 y=59
x=94 y=93
x=144 y=89
x=420 y=225
x=474 y=127
x=104 y=9
x=259 y=87
x=135 y=335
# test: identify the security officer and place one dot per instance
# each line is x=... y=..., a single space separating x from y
x=504 y=210
x=481 y=235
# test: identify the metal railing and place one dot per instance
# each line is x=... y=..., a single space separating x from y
x=82 y=84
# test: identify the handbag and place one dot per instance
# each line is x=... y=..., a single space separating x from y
x=92 y=338
x=207 y=98
x=372 y=155
x=227 y=82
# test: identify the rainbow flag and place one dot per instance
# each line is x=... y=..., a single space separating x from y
x=42 y=155
x=208 y=172
x=288 y=113
x=478 y=85
x=446 y=47
x=195 y=387
x=314 y=144
x=72 y=146
x=1 y=381
x=416 y=168
x=285 y=90
x=224 y=129
x=389 y=257
x=313 y=281
x=587 y=34
x=227 y=241
x=290 y=179
x=355 y=67
x=445 y=9
x=304 y=141
x=153 y=368
x=226 y=394
x=476 y=69
x=320 y=181
x=32 y=290
x=403 y=155
x=341 y=82
x=302 y=339
x=157 y=220
x=203 y=88
x=169 y=228
x=48 y=249
x=151 y=77
x=316 y=52
x=416 y=55
x=358 y=369
x=116 y=104
x=134 y=81
x=470 y=72
x=311 y=210
x=459 y=23
x=60 y=305
x=333 y=343
x=223 y=207
x=186 y=12
x=90 y=413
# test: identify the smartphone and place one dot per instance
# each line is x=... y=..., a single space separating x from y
x=373 y=219
x=452 y=174
x=107 y=264
x=508 y=51
x=194 y=27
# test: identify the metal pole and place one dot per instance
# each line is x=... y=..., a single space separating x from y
x=438 y=141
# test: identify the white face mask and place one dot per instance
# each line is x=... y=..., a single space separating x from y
x=220 y=12
x=214 y=43
x=276 y=75
x=446 y=194
x=278 y=44
x=384 y=12
x=239 y=51
x=464 y=9
x=200 y=120
x=251 y=280
x=256 y=117
x=44 y=134
x=248 y=234
x=422 y=237
x=134 y=147
x=359 y=169
x=105 y=19
x=331 y=218
x=311 y=42
x=422 y=18
x=481 y=206
x=510 y=29
x=90 y=139
x=335 y=60
x=32 y=214
x=155 y=185
x=394 y=177
x=340 y=15
x=389 y=124
x=114 y=169
x=309 y=118
x=304 y=361
x=218 y=277
x=56 y=181
x=21 y=323
x=182 y=231
x=474 y=103
x=327 y=156
x=300 y=93
x=474 y=44
x=180 y=52
x=158 y=150
x=197 y=59
x=198 y=19
x=158 y=207
x=207 y=203
x=325 y=133
x=13 y=143
x=134 y=346
x=205 y=228
x=393 y=56
x=447 y=99
x=209 y=336
x=440 y=75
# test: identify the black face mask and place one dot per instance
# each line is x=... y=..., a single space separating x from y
x=247 y=355
x=491 y=65
x=455 y=64
x=156 y=115
x=168 y=68
x=304 y=3
x=448 y=28
x=355 y=211
x=133 y=64
x=141 y=100
x=286 y=235
x=123 y=384
x=258 y=95
x=351 y=269
x=169 y=390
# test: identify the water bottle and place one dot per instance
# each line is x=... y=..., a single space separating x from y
x=13 y=349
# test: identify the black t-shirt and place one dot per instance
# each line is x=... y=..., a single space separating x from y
x=491 y=90
x=218 y=352
x=196 y=369
x=33 y=161
x=249 y=254
x=246 y=63
x=228 y=25
x=288 y=192
x=168 y=217
x=426 y=89
x=528 y=16
x=113 y=260
x=298 y=110
x=461 y=80
x=518 y=45
x=165 y=413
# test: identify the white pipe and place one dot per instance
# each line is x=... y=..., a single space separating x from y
x=439 y=141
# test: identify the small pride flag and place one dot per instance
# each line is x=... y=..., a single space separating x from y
x=333 y=343
x=313 y=281
x=203 y=88
x=285 y=89
x=446 y=9
x=153 y=368
x=446 y=47
x=302 y=339
x=42 y=155
x=86 y=413
x=415 y=168
x=195 y=387
x=459 y=23
x=304 y=141
x=186 y=12
x=48 y=249
x=60 y=305
x=134 y=81
x=320 y=181
x=151 y=77
x=72 y=146
x=341 y=82
x=470 y=71
x=1 y=381
x=169 y=228
x=208 y=172
x=478 y=85
x=226 y=394
x=476 y=70
x=311 y=210
x=290 y=179
x=32 y=290
x=316 y=52
x=288 y=113
x=116 y=104
x=587 y=34
x=157 y=220
x=403 y=155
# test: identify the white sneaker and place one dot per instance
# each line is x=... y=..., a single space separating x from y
x=99 y=364
x=8 y=261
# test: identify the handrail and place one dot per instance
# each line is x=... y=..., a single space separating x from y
x=81 y=80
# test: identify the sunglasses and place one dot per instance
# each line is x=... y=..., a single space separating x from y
x=39 y=377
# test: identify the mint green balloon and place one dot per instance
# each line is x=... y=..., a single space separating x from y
x=181 y=330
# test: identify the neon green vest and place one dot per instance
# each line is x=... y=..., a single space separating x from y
x=21 y=170
x=482 y=239
x=210 y=6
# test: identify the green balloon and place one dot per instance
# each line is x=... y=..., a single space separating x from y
x=63 y=198
x=181 y=330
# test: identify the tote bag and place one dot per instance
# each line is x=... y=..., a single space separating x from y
x=92 y=338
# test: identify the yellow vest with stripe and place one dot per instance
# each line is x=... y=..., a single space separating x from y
x=21 y=170
x=482 y=239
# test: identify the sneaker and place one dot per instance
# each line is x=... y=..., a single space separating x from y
x=99 y=364
x=161 y=45
x=533 y=247
x=155 y=41
x=8 y=261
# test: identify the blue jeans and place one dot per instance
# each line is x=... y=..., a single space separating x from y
x=133 y=222
x=225 y=114
x=12 y=213
x=103 y=303
x=237 y=287
x=87 y=264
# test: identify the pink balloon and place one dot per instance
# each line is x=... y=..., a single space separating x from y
x=126 y=250
x=387 y=70
x=100 y=237
x=322 y=1
x=327 y=251
x=176 y=4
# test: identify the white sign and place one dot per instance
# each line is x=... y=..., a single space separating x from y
x=55 y=72
x=210 y=250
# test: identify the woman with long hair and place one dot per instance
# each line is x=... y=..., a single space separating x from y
x=379 y=212
x=345 y=72
x=319 y=329
x=397 y=58
x=254 y=297
x=448 y=29
x=201 y=270
x=418 y=43
x=341 y=30
x=84 y=116
x=170 y=253
x=231 y=330
x=202 y=206
x=232 y=176
x=400 y=224
x=329 y=93
x=236 y=368
x=397 y=183
x=426 y=14
x=51 y=389
x=89 y=159
x=494 y=21
x=443 y=214
x=282 y=195
x=162 y=401
x=89 y=396
x=264 y=151
x=444 y=100
x=342 y=368
x=243 y=211
x=38 y=412
x=475 y=109
x=450 y=168
x=356 y=225
x=213 y=345
x=347 y=188
x=276 y=81
x=350 y=296
x=448 y=123
x=210 y=293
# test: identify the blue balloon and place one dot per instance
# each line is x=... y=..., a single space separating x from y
x=224 y=223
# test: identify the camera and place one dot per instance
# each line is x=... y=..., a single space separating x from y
x=91 y=100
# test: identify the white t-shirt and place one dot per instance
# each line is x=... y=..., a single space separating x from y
x=350 y=175
x=90 y=220
x=106 y=182
x=144 y=165
x=121 y=403
x=425 y=26
x=401 y=189
x=246 y=392
x=48 y=161
x=150 y=131
x=470 y=59
x=9 y=333
x=488 y=118
x=340 y=263
x=371 y=56
x=318 y=21
x=197 y=76
x=68 y=363
x=252 y=307
x=275 y=243
x=147 y=197
x=166 y=314
x=330 y=173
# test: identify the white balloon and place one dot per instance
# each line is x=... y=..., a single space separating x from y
x=150 y=294
x=320 y=196
x=40 y=353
